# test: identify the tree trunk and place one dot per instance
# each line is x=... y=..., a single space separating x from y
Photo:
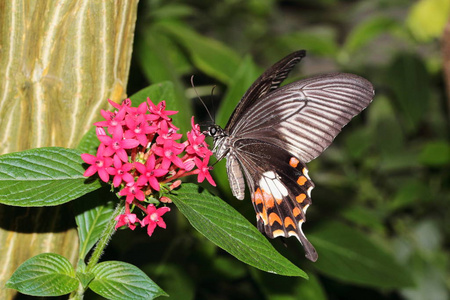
x=59 y=62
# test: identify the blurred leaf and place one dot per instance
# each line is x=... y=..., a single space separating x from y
x=427 y=19
x=245 y=75
x=349 y=256
x=229 y=267
x=292 y=288
x=228 y=229
x=366 y=31
x=310 y=290
x=412 y=192
x=409 y=80
x=161 y=59
x=210 y=56
x=120 y=280
x=317 y=41
x=431 y=285
x=92 y=212
x=427 y=236
x=435 y=154
x=176 y=281
x=175 y=10
x=364 y=216
x=46 y=274
x=358 y=142
x=43 y=177
x=165 y=91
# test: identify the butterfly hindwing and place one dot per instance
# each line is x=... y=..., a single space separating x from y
x=275 y=130
x=279 y=195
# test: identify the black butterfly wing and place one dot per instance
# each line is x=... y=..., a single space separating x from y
x=305 y=116
x=280 y=189
x=269 y=81
x=273 y=131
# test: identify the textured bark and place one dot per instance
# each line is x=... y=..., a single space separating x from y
x=59 y=62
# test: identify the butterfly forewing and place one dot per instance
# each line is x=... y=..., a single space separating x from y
x=269 y=81
x=305 y=116
x=274 y=130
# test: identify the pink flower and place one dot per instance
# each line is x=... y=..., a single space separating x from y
x=139 y=129
x=153 y=218
x=166 y=133
x=126 y=219
x=158 y=111
x=203 y=170
x=132 y=191
x=169 y=152
x=98 y=164
x=120 y=172
x=113 y=119
x=196 y=145
x=149 y=173
x=117 y=144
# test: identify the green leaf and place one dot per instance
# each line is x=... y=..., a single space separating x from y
x=92 y=212
x=435 y=154
x=410 y=82
x=413 y=192
x=165 y=91
x=245 y=75
x=119 y=280
x=174 y=278
x=292 y=288
x=210 y=56
x=43 y=177
x=89 y=142
x=228 y=229
x=348 y=255
x=368 y=30
x=46 y=274
x=317 y=41
x=85 y=278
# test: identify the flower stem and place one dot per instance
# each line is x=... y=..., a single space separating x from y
x=99 y=248
x=106 y=236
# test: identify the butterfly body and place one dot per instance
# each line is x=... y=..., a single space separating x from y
x=275 y=130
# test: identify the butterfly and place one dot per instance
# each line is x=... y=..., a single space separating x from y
x=275 y=130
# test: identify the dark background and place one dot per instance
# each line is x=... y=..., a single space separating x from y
x=382 y=193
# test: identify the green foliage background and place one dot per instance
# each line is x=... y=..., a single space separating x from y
x=381 y=206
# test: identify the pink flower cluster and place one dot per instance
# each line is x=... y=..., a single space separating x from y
x=139 y=149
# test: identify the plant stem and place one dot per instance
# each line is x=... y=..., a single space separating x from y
x=100 y=247
x=106 y=236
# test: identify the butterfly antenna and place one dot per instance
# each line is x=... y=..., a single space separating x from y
x=198 y=96
x=212 y=103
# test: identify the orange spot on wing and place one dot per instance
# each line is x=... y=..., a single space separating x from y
x=269 y=202
x=301 y=180
x=300 y=198
x=293 y=162
x=273 y=217
x=279 y=201
x=296 y=211
x=263 y=215
x=258 y=197
x=288 y=221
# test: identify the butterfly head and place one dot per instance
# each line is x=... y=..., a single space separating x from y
x=216 y=132
x=221 y=140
